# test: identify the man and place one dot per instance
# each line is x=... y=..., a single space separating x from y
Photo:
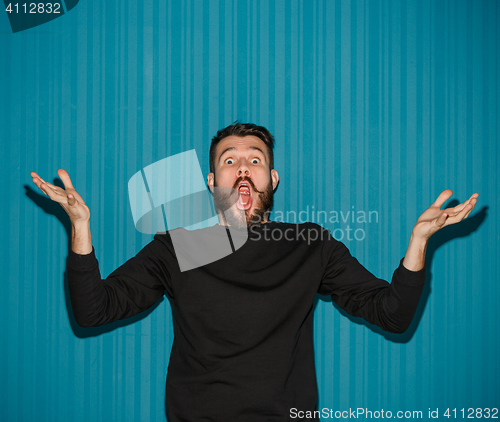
x=243 y=346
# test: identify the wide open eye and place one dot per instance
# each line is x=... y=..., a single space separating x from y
x=255 y=160
x=229 y=161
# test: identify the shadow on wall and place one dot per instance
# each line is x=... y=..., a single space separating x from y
x=52 y=208
x=445 y=235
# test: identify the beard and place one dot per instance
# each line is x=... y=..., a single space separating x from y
x=225 y=203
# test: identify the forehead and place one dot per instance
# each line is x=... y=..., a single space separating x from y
x=241 y=144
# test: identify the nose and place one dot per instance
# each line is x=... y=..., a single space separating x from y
x=243 y=169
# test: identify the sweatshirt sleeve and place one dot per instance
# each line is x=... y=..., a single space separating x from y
x=132 y=288
x=391 y=306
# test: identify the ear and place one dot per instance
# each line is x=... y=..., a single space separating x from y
x=210 y=182
x=275 y=178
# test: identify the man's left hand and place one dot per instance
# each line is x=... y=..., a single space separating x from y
x=434 y=218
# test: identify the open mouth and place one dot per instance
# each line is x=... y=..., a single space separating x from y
x=244 y=197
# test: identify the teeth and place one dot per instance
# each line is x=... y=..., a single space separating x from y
x=246 y=193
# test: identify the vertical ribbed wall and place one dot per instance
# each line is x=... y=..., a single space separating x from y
x=376 y=107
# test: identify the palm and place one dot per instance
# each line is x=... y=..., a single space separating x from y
x=68 y=198
x=434 y=218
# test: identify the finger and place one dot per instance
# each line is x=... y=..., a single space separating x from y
x=468 y=212
x=71 y=200
x=460 y=207
x=33 y=175
x=440 y=222
x=42 y=188
x=77 y=196
x=63 y=174
x=460 y=215
x=41 y=185
x=36 y=177
x=473 y=202
x=470 y=204
x=40 y=181
x=472 y=198
x=55 y=196
x=442 y=198
x=54 y=188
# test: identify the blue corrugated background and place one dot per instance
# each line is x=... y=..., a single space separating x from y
x=375 y=106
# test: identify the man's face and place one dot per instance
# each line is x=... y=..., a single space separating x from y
x=243 y=164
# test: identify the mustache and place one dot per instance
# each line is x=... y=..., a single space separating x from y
x=246 y=179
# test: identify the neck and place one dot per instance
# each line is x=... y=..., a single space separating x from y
x=223 y=221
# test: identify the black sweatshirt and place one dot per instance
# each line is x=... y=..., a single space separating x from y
x=243 y=325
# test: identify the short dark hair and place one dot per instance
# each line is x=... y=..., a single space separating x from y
x=241 y=130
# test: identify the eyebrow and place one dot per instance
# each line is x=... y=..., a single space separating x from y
x=231 y=148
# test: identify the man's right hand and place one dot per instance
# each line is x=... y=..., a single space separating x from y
x=74 y=205
x=69 y=198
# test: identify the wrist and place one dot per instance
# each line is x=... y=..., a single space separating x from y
x=417 y=237
x=81 y=241
x=415 y=254
x=80 y=224
x=418 y=243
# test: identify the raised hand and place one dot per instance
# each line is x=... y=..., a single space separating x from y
x=434 y=218
x=69 y=198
